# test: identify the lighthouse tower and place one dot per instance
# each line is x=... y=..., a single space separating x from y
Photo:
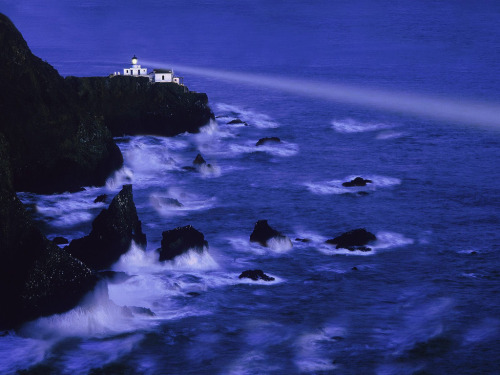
x=135 y=70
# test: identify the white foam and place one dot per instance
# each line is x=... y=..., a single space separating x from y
x=259 y=120
x=311 y=354
x=67 y=209
x=349 y=125
x=486 y=330
x=389 y=240
x=335 y=186
x=282 y=149
x=280 y=245
x=18 y=352
x=192 y=260
x=190 y=202
x=138 y=261
x=245 y=280
x=97 y=353
x=390 y=135
x=119 y=178
x=276 y=246
x=97 y=316
x=208 y=171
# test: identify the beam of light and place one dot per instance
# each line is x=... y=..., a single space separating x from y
x=433 y=107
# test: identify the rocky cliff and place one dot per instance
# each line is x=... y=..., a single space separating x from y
x=55 y=144
x=36 y=277
x=133 y=105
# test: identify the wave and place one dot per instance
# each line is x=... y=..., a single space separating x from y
x=350 y=125
x=179 y=202
x=390 y=135
x=259 y=120
x=277 y=247
x=282 y=149
x=96 y=316
x=119 y=178
x=67 y=209
x=313 y=351
x=335 y=186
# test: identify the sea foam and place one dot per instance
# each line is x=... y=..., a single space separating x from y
x=335 y=186
x=350 y=125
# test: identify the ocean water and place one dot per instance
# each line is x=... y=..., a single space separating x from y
x=425 y=300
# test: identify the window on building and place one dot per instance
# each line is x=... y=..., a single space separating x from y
x=163 y=78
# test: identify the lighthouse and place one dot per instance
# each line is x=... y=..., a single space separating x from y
x=135 y=70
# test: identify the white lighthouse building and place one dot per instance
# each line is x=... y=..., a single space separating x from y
x=135 y=70
x=155 y=76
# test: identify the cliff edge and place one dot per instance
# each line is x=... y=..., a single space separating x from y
x=134 y=105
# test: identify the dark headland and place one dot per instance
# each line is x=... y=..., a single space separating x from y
x=56 y=134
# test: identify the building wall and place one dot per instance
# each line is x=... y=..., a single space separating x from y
x=163 y=77
x=134 y=72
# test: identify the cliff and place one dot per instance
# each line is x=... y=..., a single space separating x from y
x=133 y=105
x=36 y=277
x=55 y=145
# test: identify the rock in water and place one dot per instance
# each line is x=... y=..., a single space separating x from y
x=113 y=230
x=358 y=181
x=36 y=277
x=236 y=121
x=353 y=240
x=262 y=233
x=179 y=240
x=101 y=198
x=256 y=275
x=266 y=140
x=199 y=160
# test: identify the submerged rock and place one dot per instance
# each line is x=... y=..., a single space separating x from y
x=262 y=233
x=179 y=240
x=237 y=121
x=358 y=181
x=255 y=275
x=353 y=240
x=266 y=140
x=113 y=230
x=304 y=240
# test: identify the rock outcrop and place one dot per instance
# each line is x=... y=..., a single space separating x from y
x=113 y=230
x=199 y=160
x=55 y=145
x=267 y=140
x=179 y=240
x=353 y=240
x=262 y=233
x=358 y=181
x=36 y=277
x=237 y=121
x=133 y=105
x=255 y=275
